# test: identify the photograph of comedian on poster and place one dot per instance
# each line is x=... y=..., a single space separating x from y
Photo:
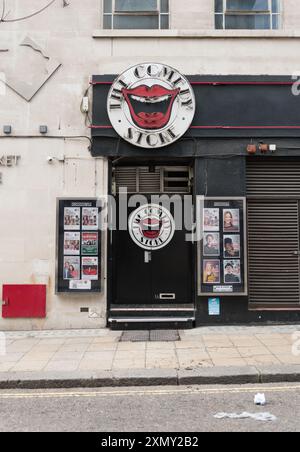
x=72 y=218
x=90 y=218
x=90 y=268
x=231 y=220
x=232 y=271
x=71 y=268
x=211 y=271
x=211 y=244
x=232 y=246
x=72 y=243
x=89 y=244
x=211 y=220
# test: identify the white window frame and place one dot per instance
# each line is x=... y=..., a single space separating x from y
x=141 y=13
x=250 y=13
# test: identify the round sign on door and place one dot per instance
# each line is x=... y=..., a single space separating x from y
x=151 y=105
x=151 y=227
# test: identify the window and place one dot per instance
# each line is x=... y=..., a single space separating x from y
x=247 y=14
x=136 y=14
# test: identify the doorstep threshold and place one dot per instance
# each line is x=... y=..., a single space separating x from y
x=165 y=309
x=150 y=319
x=152 y=307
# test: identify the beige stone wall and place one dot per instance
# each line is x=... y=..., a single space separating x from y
x=291 y=14
x=192 y=14
x=29 y=192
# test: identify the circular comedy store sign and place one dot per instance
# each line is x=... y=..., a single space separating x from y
x=151 y=105
x=151 y=227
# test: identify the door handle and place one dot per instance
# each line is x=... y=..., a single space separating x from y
x=148 y=257
x=295 y=253
x=5 y=302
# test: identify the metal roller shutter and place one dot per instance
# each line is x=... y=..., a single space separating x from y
x=273 y=179
x=273 y=190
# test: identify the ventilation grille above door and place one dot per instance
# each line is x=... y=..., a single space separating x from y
x=152 y=179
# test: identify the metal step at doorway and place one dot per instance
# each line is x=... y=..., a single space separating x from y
x=151 y=317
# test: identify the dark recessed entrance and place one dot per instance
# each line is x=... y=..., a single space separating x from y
x=152 y=288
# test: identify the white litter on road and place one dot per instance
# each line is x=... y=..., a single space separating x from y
x=262 y=417
x=260 y=399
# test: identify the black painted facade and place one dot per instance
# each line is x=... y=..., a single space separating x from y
x=232 y=112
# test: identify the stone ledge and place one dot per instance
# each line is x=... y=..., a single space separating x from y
x=197 y=34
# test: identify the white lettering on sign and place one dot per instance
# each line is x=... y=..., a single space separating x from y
x=151 y=105
x=223 y=289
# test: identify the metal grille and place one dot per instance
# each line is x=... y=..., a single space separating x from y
x=135 y=336
x=152 y=336
x=273 y=230
x=126 y=177
x=164 y=335
x=270 y=179
x=152 y=179
x=149 y=182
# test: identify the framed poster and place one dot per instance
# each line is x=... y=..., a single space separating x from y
x=222 y=246
x=78 y=264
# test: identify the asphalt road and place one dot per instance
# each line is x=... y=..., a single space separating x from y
x=158 y=409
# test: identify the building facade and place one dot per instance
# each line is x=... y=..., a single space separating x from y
x=58 y=145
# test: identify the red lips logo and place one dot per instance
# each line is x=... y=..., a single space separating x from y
x=150 y=107
x=151 y=228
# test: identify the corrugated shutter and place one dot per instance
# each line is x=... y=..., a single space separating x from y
x=269 y=178
x=273 y=233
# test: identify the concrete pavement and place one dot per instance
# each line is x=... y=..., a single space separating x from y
x=204 y=355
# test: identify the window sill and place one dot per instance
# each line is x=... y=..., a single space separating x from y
x=197 y=34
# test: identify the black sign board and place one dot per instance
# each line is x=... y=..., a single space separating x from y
x=227 y=107
x=222 y=257
x=79 y=246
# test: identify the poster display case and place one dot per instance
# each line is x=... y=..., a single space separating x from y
x=78 y=246
x=222 y=246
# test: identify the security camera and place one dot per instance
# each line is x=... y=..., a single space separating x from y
x=50 y=160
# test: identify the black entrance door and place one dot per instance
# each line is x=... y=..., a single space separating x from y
x=157 y=277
